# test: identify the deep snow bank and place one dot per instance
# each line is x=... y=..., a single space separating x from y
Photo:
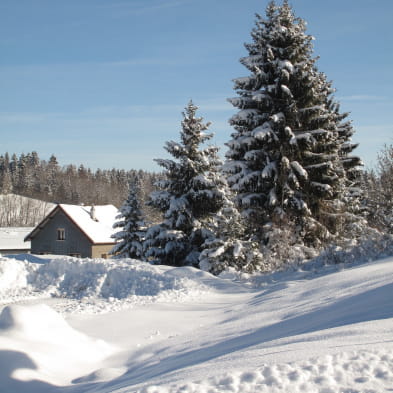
x=52 y=345
x=102 y=284
x=326 y=331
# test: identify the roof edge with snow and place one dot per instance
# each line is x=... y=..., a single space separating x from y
x=98 y=232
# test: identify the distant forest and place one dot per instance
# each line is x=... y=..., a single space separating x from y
x=29 y=175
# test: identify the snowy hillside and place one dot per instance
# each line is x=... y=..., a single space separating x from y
x=69 y=325
x=20 y=211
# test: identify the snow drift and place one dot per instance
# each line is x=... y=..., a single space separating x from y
x=124 y=326
x=113 y=282
x=49 y=337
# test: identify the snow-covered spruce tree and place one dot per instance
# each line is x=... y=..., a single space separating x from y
x=227 y=247
x=352 y=164
x=379 y=192
x=284 y=158
x=132 y=227
x=189 y=194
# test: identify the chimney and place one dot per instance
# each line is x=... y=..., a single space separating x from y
x=93 y=213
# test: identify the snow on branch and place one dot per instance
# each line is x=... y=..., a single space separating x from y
x=302 y=173
x=264 y=132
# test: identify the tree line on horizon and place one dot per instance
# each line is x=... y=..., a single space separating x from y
x=30 y=176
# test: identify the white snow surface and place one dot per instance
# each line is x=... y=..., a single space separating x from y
x=92 y=325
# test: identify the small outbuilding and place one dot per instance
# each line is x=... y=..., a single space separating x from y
x=80 y=231
x=12 y=240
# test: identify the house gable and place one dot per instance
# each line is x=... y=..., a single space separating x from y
x=47 y=241
x=72 y=230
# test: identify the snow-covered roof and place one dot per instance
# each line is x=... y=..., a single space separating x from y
x=12 y=238
x=98 y=227
x=99 y=230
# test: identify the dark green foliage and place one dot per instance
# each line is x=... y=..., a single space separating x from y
x=131 y=224
x=189 y=194
x=286 y=157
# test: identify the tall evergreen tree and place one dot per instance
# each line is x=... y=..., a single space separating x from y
x=53 y=178
x=284 y=157
x=189 y=194
x=6 y=187
x=130 y=237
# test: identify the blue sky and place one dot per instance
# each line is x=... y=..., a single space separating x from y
x=103 y=82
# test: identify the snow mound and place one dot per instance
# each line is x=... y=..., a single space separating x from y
x=37 y=321
x=45 y=334
x=101 y=284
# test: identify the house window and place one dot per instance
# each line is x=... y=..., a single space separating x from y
x=60 y=234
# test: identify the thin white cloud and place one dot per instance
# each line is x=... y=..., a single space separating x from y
x=27 y=117
x=132 y=110
x=362 y=97
x=159 y=61
x=169 y=110
x=214 y=105
x=381 y=133
x=141 y=7
x=137 y=62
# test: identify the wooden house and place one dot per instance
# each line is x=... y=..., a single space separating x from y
x=81 y=231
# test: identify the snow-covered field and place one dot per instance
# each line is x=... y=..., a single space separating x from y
x=69 y=325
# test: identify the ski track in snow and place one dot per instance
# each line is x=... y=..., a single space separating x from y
x=69 y=325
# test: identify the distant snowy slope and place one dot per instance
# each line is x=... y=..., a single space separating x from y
x=177 y=330
x=20 y=211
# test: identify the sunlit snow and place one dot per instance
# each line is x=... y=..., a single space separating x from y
x=92 y=325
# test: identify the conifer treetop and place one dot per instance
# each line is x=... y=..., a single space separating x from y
x=284 y=160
